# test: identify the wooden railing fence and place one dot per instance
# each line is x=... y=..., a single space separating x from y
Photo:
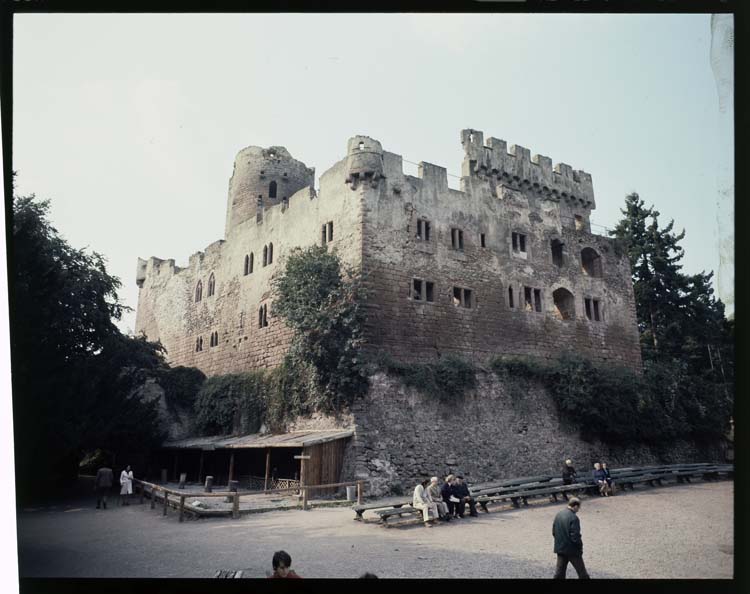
x=235 y=495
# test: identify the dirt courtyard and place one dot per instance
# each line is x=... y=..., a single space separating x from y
x=675 y=531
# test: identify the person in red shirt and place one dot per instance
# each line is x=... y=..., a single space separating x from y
x=282 y=562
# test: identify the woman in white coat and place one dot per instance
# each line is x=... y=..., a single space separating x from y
x=422 y=501
x=126 y=485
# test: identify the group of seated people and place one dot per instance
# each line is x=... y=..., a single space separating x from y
x=601 y=476
x=443 y=502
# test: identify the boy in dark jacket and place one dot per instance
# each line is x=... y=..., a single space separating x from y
x=566 y=529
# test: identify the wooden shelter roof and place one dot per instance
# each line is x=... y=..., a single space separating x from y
x=294 y=439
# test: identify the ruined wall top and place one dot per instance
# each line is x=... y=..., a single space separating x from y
x=537 y=172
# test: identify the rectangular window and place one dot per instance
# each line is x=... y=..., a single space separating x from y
x=510 y=297
x=416 y=292
x=326 y=232
x=596 y=310
x=519 y=242
x=330 y=230
x=457 y=239
x=482 y=240
x=429 y=292
x=587 y=304
x=323 y=234
x=463 y=297
x=537 y=300
x=527 y=303
x=423 y=230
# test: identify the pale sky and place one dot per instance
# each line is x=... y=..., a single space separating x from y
x=130 y=123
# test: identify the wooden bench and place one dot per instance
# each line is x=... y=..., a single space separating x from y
x=359 y=510
x=398 y=511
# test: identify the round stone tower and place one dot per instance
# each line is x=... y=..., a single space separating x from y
x=262 y=178
x=364 y=161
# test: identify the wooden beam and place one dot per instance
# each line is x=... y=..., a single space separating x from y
x=302 y=459
x=268 y=468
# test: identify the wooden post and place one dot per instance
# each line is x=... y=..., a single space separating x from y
x=302 y=459
x=236 y=506
x=166 y=496
x=182 y=506
x=268 y=468
x=359 y=492
x=200 y=469
x=231 y=468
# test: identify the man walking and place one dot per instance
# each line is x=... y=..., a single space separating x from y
x=566 y=530
x=103 y=485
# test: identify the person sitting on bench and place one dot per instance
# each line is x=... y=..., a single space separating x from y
x=422 y=502
x=446 y=493
x=433 y=493
x=461 y=492
x=568 y=473
x=610 y=482
x=601 y=479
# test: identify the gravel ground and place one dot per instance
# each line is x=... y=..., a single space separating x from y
x=675 y=531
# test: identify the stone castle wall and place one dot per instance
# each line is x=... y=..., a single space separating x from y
x=497 y=432
x=487 y=212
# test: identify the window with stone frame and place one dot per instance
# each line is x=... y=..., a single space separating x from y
x=591 y=262
x=593 y=309
x=272 y=190
x=511 y=301
x=211 y=285
x=457 y=238
x=518 y=242
x=482 y=240
x=532 y=299
x=263 y=316
x=422 y=290
x=463 y=297
x=423 y=230
x=326 y=232
x=270 y=253
x=265 y=255
x=199 y=291
x=556 y=247
x=199 y=344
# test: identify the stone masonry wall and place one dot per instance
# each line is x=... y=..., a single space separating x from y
x=167 y=309
x=498 y=432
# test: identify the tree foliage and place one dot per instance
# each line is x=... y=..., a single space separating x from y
x=72 y=370
x=323 y=302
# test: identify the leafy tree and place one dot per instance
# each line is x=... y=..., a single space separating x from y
x=323 y=302
x=72 y=370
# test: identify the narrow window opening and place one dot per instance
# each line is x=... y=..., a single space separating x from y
x=265 y=255
x=361 y=146
x=323 y=235
x=429 y=291
x=272 y=190
x=416 y=292
x=252 y=257
x=557 y=252
x=514 y=241
x=270 y=253
x=457 y=239
x=456 y=296
x=247 y=265
x=510 y=298
x=528 y=304
x=468 y=295
x=199 y=291
x=587 y=305
x=423 y=230
x=537 y=300
x=482 y=240
x=596 y=310
x=471 y=137
x=330 y=230
x=211 y=285
x=519 y=242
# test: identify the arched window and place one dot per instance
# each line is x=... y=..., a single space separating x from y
x=272 y=190
x=270 y=253
x=211 y=284
x=199 y=291
x=591 y=262
x=565 y=304
x=265 y=255
x=251 y=263
x=247 y=265
x=263 y=316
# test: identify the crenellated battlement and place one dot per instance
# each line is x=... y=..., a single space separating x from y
x=516 y=166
